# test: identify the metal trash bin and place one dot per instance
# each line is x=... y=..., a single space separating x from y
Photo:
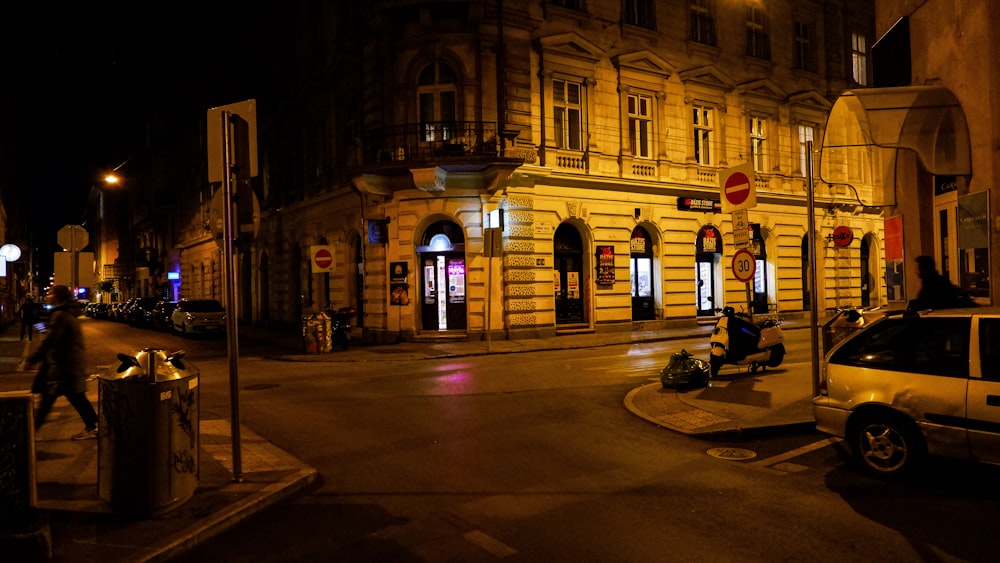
x=316 y=338
x=148 y=442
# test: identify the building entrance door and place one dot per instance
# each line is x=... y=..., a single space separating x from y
x=641 y=272
x=568 y=275
x=443 y=299
x=442 y=278
x=708 y=252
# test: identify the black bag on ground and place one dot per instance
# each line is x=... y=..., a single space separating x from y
x=684 y=372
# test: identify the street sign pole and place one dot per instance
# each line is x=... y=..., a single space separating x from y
x=232 y=330
x=813 y=298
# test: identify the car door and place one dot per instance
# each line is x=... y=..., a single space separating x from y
x=984 y=393
x=919 y=366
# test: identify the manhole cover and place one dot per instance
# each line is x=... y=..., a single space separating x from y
x=260 y=387
x=732 y=453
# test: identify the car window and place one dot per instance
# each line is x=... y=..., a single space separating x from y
x=929 y=345
x=989 y=348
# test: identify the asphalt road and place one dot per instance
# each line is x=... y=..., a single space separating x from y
x=532 y=457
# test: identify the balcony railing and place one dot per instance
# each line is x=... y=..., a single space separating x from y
x=431 y=140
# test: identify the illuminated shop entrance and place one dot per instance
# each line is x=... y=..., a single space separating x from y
x=442 y=278
x=708 y=253
x=641 y=270
x=760 y=277
x=568 y=275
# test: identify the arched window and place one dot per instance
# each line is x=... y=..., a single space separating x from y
x=436 y=101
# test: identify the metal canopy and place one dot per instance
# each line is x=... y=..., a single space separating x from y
x=925 y=119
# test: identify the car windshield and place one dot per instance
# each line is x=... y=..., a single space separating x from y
x=205 y=306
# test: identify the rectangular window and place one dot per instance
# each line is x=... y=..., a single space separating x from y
x=639 y=124
x=570 y=4
x=567 y=114
x=804 y=51
x=758 y=136
x=806 y=134
x=640 y=13
x=702 y=125
x=859 y=58
x=702 y=26
x=758 y=43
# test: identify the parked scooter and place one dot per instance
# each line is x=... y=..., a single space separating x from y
x=739 y=341
x=340 y=326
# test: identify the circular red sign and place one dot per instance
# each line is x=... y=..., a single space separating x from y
x=843 y=235
x=737 y=188
x=323 y=258
x=744 y=265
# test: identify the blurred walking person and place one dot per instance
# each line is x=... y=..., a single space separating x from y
x=61 y=354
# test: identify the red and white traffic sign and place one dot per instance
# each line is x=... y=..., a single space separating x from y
x=744 y=265
x=737 y=186
x=322 y=259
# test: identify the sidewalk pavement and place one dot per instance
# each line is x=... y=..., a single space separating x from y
x=76 y=525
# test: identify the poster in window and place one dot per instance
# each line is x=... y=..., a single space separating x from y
x=572 y=285
x=456 y=280
x=974 y=243
x=605 y=264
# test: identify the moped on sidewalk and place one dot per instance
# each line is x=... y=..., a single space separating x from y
x=738 y=340
x=340 y=326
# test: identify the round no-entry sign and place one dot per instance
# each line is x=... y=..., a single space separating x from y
x=323 y=258
x=737 y=188
x=744 y=265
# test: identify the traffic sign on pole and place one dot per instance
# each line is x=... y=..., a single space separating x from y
x=741 y=229
x=322 y=258
x=744 y=265
x=737 y=186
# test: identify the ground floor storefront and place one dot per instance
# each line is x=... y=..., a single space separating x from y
x=538 y=258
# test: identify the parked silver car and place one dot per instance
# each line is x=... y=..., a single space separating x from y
x=912 y=384
x=198 y=317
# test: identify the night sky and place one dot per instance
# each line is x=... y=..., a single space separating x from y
x=78 y=79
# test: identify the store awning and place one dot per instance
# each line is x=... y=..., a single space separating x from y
x=925 y=119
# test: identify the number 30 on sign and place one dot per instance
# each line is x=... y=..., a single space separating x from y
x=744 y=265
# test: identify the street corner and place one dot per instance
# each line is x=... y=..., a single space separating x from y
x=663 y=407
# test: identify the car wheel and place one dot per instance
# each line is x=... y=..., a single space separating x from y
x=777 y=355
x=887 y=445
x=715 y=364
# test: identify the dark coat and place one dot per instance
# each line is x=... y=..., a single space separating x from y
x=61 y=352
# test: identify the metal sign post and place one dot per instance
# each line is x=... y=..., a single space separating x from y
x=813 y=298
x=232 y=330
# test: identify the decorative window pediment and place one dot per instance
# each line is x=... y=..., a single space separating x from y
x=570 y=53
x=761 y=97
x=707 y=85
x=643 y=69
x=809 y=108
x=644 y=62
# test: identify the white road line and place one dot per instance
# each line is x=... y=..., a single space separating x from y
x=797 y=452
x=489 y=543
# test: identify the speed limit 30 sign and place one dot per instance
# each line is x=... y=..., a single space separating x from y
x=744 y=265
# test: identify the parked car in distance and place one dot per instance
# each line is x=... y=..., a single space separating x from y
x=101 y=310
x=119 y=311
x=914 y=384
x=198 y=317
x=139 y=311
x=159 y=317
